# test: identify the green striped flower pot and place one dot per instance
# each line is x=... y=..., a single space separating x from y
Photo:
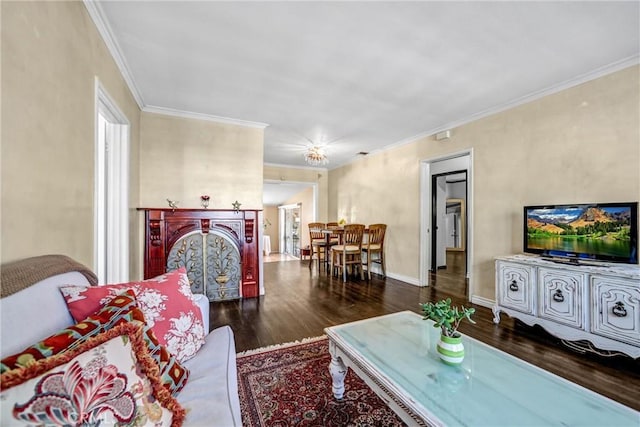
x=451 y=350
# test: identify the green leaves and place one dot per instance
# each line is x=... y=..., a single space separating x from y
x=446 y=317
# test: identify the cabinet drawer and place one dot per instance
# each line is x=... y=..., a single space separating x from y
x=616 y=308
x=562 y=297
x=516 y=283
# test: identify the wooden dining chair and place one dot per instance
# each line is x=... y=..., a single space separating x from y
x=349 y=251
x=317 y=243
x=374 y=248
x=335 y=236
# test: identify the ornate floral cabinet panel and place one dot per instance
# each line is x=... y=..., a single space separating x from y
x=518 y=284
x=562 y=297
x=218 y=248
x=616 y=308
x=591 y=307
x=188 y=252
x=222 y=268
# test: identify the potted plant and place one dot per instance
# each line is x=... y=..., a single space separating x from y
x=448 y=318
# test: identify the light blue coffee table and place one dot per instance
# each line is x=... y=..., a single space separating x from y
x=395 y=355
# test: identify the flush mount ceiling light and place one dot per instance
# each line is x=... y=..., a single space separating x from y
x=315 y=156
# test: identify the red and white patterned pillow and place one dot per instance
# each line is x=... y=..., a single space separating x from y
x=121 y=309
x=167 y=303
x=108 y=379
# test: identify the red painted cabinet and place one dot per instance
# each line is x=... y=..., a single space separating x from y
x=218 y=248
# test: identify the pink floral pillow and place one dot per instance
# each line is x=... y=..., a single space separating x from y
x=166 y=301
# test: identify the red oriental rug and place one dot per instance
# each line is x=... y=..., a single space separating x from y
x=290 y=385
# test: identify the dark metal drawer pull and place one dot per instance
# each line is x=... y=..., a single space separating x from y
x=558 y=297
x=513 y=286
x=619 y=309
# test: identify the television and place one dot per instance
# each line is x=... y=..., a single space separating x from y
x=584 y=232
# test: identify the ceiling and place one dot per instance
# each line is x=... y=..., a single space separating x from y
x=278 y=192
x=359 y=76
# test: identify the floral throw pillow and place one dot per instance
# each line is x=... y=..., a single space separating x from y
x=109 y=379
x=120 y=309
x=166 y=301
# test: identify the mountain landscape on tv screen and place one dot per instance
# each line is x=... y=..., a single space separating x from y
x=562 y=220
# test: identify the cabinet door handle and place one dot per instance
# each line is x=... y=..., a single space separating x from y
x=558 y=297
x=619 y=310
x=513 y=286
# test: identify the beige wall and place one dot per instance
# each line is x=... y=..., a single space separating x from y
x=183 y=159
x=578 y=145
x=383 y=188
x=315 y=176
x=51 y=53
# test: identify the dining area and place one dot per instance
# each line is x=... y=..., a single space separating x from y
x=346 y=250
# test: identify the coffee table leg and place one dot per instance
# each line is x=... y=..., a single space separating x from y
x=338 y=371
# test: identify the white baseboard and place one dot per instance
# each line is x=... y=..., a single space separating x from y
x=410 y=280
x=485 y=302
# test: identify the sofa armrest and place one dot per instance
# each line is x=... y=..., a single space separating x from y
x=203 y=304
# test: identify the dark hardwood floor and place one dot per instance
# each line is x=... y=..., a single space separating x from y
x=300 y=303
x=452 y=279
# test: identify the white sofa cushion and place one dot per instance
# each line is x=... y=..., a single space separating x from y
x=203 y=303
x=35 y=313
x=211 y=394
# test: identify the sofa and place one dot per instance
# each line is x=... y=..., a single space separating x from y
x=210 y=395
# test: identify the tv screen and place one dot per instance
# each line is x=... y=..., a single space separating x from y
x=596 y=231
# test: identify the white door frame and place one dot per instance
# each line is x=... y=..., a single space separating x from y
x=111 y=190
x=452 y=162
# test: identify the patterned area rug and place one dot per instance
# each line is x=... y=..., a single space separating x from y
x=290 y=385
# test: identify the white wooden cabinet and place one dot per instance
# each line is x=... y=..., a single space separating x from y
x=595 y=303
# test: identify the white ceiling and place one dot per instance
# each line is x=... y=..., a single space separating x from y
x=359 y=76
x=277 y=193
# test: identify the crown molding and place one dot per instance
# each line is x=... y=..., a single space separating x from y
x=533 y=96
x=567 y=84
x=97 y=15
x=201 y=116
x=280 y=165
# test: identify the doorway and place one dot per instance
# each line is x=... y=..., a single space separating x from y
x=446 y=224
x=456 y=225
x=111 y=187
x=448 y=267
x=279 y=194
x=289 y=218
